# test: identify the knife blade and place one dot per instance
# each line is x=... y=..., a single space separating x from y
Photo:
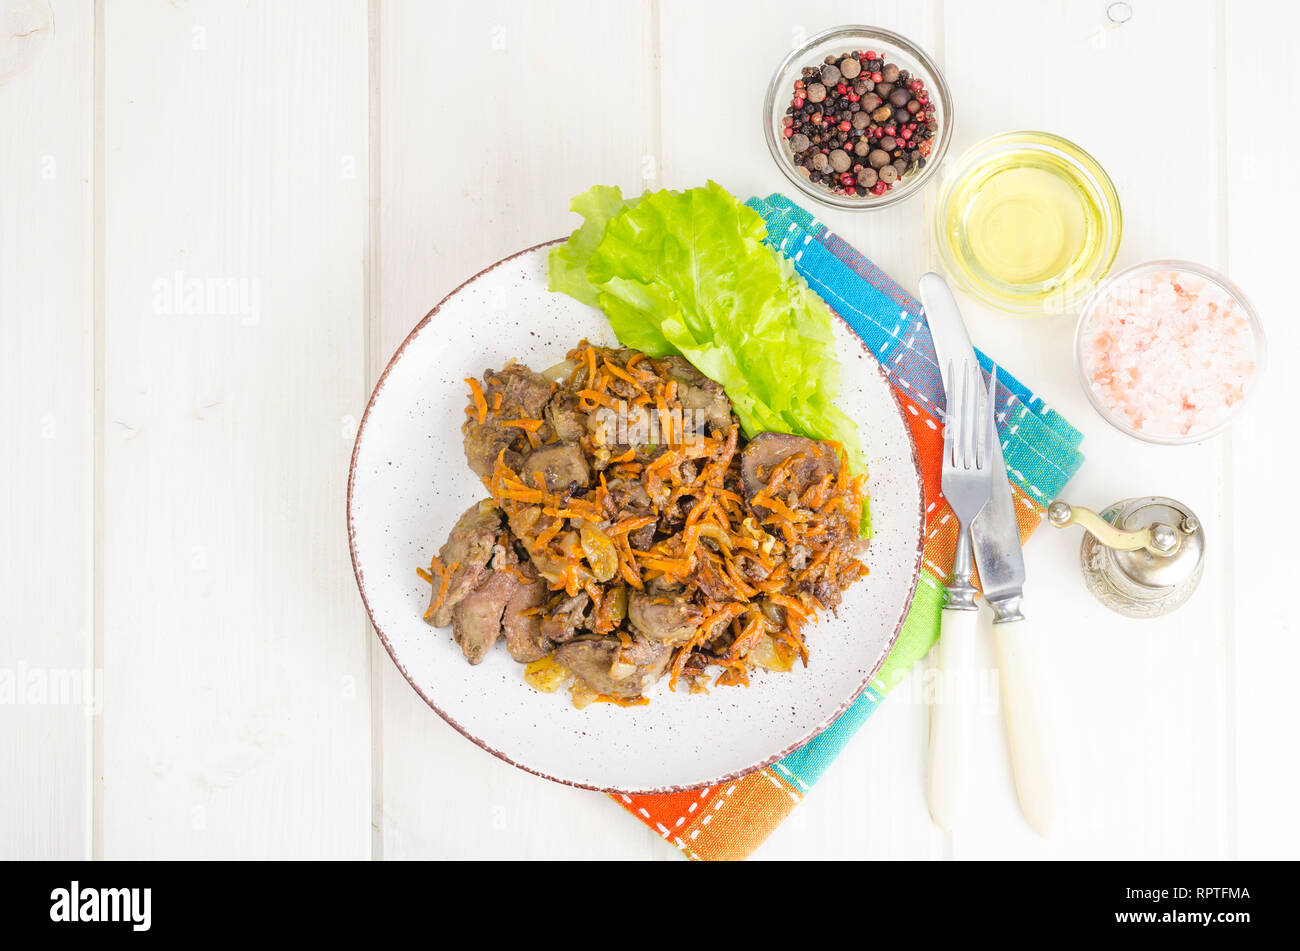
x=995 y=534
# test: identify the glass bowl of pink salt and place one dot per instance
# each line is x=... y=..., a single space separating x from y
x=1169 y=351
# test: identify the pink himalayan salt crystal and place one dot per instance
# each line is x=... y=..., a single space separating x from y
x=1169 y=353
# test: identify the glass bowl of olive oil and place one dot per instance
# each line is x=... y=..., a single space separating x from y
x=1028 y=223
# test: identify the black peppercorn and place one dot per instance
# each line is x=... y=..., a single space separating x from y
x=836 y=135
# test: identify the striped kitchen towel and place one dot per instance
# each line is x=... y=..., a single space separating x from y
x=1041 y=450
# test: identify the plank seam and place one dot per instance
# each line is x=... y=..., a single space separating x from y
x=374 y=651
x=94 y=795
x=1222 y=212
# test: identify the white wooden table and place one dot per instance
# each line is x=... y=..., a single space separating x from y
x=218 y=220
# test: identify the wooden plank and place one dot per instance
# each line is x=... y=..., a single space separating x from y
x=46 y=411
x=1263 y=202
x=466 y=179
x=1142 y=704
x=871 y=802
x=236 y=681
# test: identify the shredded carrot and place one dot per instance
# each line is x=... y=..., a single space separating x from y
x=596 y=398
x=790 y=604
x=622 y=375
x=529 y=425
x=522 y=494
x=779 y=510
x=630 y=525
x=622 y=702
x=673 y=567
x=665 y=419
x=477 y=392
x=435 y=566
x=444 y=584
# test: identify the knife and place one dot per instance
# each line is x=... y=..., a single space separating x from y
x=996 y=538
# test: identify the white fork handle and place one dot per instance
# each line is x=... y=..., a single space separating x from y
x=950 y=716
x=1027 y=715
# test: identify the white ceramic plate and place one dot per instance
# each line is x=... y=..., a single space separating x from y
x=409 y=483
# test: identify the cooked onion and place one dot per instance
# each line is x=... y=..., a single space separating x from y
x=560 y=372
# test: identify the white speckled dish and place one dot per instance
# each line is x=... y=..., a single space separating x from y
x=409 y=483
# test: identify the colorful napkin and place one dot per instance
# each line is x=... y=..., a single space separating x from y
x=730 y=820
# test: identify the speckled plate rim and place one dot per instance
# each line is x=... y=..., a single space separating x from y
x=359 y=571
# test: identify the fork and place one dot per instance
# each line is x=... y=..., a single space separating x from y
x=967 y=485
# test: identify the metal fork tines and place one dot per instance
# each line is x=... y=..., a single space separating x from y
x=967 y=474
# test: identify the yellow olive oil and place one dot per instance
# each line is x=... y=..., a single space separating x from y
x=1029 y=225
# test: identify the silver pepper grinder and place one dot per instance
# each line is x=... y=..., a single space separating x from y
x=1141 y=557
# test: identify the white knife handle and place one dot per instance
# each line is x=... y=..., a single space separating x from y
x=950 y=716
x=1027 y=715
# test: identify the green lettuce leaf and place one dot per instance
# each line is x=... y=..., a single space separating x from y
x=688 y=273
x=567 y=270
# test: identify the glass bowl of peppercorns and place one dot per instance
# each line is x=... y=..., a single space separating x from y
x=858 y=117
